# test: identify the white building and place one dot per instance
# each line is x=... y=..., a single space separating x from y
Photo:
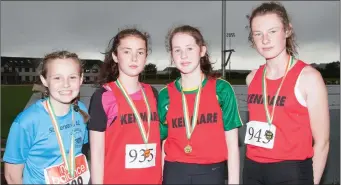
x=24 y=70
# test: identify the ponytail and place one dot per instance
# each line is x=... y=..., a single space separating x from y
x=76 y=108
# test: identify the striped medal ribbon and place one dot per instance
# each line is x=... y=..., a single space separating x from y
x=70 y=164
x=145 y=135
x=190 y=127
x=268 y=133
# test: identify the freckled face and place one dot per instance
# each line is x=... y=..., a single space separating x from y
x=269 y=35
x=186 y=53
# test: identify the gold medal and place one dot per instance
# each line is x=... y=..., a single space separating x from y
x=269 y=135
x=147 y=153
x=188 y=149
x=190 y=127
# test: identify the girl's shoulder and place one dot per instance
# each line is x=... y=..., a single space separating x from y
x=32 y=115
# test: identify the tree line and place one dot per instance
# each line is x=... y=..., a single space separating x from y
x=330 y=70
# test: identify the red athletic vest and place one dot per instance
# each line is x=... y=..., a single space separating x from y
x=118 y=135
x=208 y=139
x=293 y=139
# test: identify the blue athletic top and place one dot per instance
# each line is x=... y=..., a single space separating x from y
x=33 y=142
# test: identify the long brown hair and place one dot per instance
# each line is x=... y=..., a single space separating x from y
x=109 y=69
x=278 y=9
x=205 y=63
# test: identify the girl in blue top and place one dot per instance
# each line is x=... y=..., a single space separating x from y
x=44 y=145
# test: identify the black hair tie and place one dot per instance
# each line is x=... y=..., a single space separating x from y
x=76 y=108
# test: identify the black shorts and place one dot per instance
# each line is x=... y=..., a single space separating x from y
x=285 y=172
x=185 y=173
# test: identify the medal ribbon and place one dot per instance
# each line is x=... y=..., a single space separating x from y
x=188 y=126
x=264 y=88
x=145 y=135
x=70 y=164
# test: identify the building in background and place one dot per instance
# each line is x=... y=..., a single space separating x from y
x=91 y=70
x=19 y=70
x=25 y=70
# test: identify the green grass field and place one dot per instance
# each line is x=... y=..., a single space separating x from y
x=13 y=101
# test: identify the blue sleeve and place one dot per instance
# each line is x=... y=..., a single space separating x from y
x=83 y=107
x=86 y=134
x=19 y=141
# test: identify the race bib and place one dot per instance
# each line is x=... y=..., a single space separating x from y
x=140 y=155
x=260 y=134
x=58 y=174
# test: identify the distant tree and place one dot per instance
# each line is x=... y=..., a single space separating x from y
x=150 y=69
x=332 y=70
x=175 y=73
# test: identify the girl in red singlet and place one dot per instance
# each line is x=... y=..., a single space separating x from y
x=124 y=130
x=287 y=135
x=199 y=117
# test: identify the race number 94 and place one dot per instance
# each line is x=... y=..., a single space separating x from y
x=256 y=135
x=139 y=155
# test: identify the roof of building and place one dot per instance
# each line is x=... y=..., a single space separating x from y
x=22 y=62
x=88 y=64
x=28 y=62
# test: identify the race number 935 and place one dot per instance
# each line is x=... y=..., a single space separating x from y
x=140 y=155
x=259 y=134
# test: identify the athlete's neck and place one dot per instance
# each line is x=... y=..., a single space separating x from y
x=60 y=109
x=130 y=84
x=275 y=67
x=191 y=80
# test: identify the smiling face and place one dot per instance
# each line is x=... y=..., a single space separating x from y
x=131 y=56
x=186 y=53
x=63 y=79
x=269 y=35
